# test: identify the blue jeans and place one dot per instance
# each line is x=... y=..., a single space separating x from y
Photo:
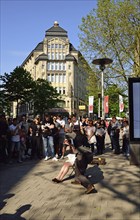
x=126 y=146
x=48 y=145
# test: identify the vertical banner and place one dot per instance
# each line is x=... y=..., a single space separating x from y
x=121 y=105
x=106 y=106
x=90 y=105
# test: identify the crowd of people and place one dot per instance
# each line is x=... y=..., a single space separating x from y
x=48 y=139
x=56 y=137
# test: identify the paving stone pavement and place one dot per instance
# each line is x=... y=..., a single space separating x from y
x=28 y=193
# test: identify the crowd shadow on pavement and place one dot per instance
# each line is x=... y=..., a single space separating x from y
x=17 y=214
x=11 y=176
x=3 y=198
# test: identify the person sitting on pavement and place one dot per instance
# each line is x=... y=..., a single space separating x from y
x=66 y=166
x=80 y=163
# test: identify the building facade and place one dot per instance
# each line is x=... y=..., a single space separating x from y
x=56 y=60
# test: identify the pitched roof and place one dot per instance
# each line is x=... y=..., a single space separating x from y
x=42 y=56
x=56 y=30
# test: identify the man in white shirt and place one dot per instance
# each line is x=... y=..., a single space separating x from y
x=15 y=139
x=61 y=128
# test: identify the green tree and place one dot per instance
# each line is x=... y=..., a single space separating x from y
x=113 y=91
x=113 y=30
x=45 y=97
x=17 y=86
x=5 y=104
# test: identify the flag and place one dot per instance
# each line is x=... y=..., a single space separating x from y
x=90 y=105
x=106 y=106
x=121 y=105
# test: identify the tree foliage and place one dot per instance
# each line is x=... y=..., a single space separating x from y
x=113 y=91
x=113 y=30
x=45 y=96
x=17 y=86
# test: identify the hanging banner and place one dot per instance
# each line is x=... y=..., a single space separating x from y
x=121 y=105
x=106 y=106
x=90 y=105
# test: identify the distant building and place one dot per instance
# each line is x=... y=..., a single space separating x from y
x=56 y=60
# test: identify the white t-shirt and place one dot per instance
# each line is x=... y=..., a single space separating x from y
x=62 y=123
x=16 y=137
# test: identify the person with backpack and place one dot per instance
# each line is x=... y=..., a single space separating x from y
x=83 y=158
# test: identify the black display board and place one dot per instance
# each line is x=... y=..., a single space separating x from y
x=134 y=109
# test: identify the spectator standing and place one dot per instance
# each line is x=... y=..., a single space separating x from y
x=48 y=138
x=125 y=135
x=3 y=138
x=15 y=129
x=100 y=134
x=114 y=133
x=90 y=133
x=61 y=129
x=35 y=133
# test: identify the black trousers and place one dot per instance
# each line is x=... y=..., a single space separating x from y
x=80 y=169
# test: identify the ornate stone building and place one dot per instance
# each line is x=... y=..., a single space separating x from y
x=56 y=60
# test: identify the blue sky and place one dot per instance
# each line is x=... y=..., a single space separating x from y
x=23 y=25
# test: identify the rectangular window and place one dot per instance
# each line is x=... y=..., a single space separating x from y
x=64 y=90
x=56 y=78
x=56 y=56
x=49 y=78
x=64 y=78
x=60 y=46
x=49 y=66
x=49 y=55
x=63 y=56
x=52 y=56
x=59 y=66
x=52 y=66
x=60 y=78
x=52 y=46
x=60 y=56
x=56 y=45
x=63 y=66
x=52 y=78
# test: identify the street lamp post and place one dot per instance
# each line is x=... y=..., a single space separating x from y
x=99 y=98
x=102 y=62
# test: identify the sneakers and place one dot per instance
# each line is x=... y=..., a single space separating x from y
x=57 y=156
x=47 y=158
x=54 y=159
x=90 y=189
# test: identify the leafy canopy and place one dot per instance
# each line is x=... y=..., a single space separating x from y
x=45 y=96
x=113 y=31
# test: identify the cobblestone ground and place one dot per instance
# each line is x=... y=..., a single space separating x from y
x=27 y=192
